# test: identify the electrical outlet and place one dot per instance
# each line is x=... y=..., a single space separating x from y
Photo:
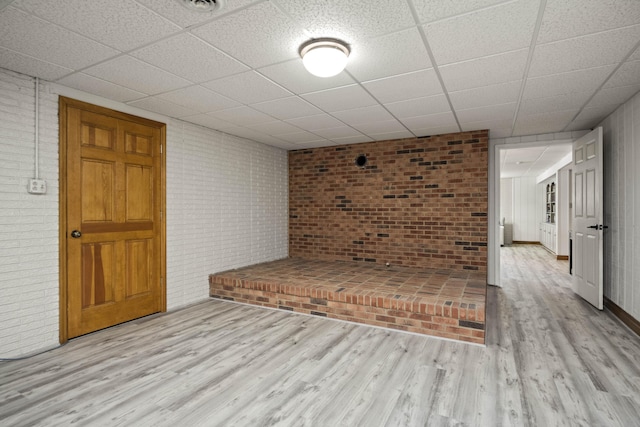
x=37 y=186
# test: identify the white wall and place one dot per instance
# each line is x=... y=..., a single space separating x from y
x=506 y=200
x=519 y=206
x=227 y=206
x=28 y=223
x=622 y=206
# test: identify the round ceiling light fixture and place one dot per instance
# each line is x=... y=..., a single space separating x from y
x=324 y=57
x=202 y=6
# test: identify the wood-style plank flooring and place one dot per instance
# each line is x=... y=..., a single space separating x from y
x=551 y=359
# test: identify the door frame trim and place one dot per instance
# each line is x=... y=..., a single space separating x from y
x=63 y=104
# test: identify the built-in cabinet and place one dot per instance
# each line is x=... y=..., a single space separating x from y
x=550 y=208
x=548 y=236
x=548 y=225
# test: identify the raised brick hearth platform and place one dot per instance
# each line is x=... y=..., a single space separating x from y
x=443 y=303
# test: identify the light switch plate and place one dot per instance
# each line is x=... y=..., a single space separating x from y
x=37 y=186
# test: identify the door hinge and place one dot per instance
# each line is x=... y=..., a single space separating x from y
x=160 y=148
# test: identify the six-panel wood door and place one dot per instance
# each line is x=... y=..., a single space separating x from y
x=587 y=218
x=113 y=218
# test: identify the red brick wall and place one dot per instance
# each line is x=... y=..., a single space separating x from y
x=418 y=202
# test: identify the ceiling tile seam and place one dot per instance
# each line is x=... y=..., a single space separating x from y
x=458 y=15
x=597 y=33
x=527 y=67
x=32 y=57
x=599 y=88
x=436 y=68
x=380 y=104
x=4 y=4
x=186 y=30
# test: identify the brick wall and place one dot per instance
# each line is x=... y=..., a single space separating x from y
x=418 y=202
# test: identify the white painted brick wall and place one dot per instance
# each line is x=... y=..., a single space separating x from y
x=227 y=207
x=28 y=223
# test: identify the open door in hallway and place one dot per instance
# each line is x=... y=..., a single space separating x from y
x=588 y=217
x=112 y=232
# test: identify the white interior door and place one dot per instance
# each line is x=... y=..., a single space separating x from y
x=587 y=217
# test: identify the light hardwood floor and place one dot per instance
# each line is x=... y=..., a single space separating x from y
x=551 y=359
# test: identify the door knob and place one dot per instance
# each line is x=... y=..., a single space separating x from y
x=593 y=226
x=76 y=234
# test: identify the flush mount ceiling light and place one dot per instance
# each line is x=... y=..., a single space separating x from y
x=202 y=6
x=324 y=57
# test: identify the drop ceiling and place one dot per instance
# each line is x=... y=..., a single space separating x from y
x=418 y=67
x=532 y=161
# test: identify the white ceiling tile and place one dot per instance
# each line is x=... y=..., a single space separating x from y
x=405 y=86
x=593 y=115
x=434 y=10
x=274 y=128
x=419 y=106
x=488 y=124
x=566 y=83
x=242 y=116
x=184 y=17
x=258 y=35
x=121 y=24
x=386 y=56
x=373 y=128
x=338 y=132
x=486 y=32
x=614 y=95
x=399 y=134
x=248 y=88
x=315 y=122
x=187 y=56
x=572 y=18
x=251 y=134
x=493 y=112
x=208 y=120
x=100 y=87
x=502 y=93
x=199 y=98
x=300 y=137
x=543 y=123
x=342 y=98
x=430 y=121
x=352 y=140
x=287 y=108
x=161 y=106
x=490 y=70
x=34 y=37
x=31 y=66
x=584 y=52
x=349 y=20
x=134 y=74
x=435 y=130
x=574 y=101
x=293 y=76
x=363 y=115
x=628 y=74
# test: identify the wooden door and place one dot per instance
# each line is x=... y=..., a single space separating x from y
x=113 y=228
x=587 y=217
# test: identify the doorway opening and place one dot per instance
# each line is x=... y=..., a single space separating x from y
x=519 y=171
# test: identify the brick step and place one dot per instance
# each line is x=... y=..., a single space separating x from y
x=447 y=304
